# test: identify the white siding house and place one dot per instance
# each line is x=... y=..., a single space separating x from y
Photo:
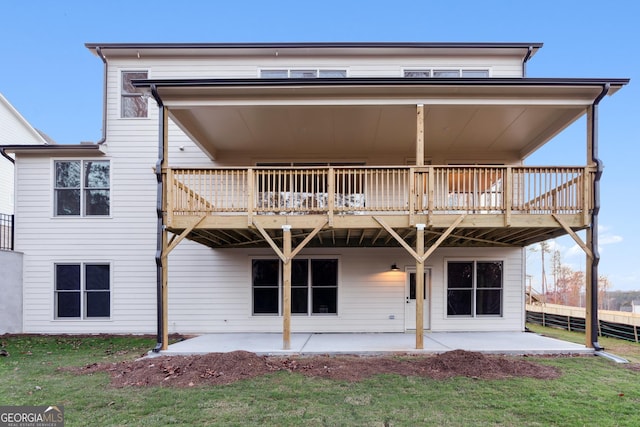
x=14 y=130
x=297 y=175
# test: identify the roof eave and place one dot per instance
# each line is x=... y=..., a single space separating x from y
x=81 y=149
x=383 y=81
x=270 y=45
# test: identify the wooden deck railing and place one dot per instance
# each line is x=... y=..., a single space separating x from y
x=378 y=190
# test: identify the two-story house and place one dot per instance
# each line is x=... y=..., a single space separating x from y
x=316 y=187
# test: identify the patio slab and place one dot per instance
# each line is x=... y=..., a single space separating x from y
x=376 y=343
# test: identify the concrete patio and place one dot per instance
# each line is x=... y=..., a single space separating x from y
x=376 y=343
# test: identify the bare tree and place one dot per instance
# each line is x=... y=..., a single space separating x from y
x=603 y=287
x=543 y=247
x=556 y=264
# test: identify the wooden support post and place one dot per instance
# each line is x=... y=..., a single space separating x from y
x=331 y=193
x=250 y=196
x=588 y=318
x=286 y=289
x=414 y=192
x=165 y=293
x=431 y=178
x=420 y=135
x=507 y=196
x=420 y=287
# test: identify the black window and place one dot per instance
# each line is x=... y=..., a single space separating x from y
x=266 y=279
x=474 y=288
x=82 y=291
x=324 y=286
x=314 y=286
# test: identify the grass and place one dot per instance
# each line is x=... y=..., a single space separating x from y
x=591 y=391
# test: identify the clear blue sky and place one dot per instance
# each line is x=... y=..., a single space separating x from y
x=56 y=84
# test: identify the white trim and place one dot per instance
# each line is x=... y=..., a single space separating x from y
x=474 y=288
x=432 y=70
x=309 y=313
x=290 y=69
x=121 y=71
x=52 y=188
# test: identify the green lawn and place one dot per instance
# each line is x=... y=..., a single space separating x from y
x=591 y=391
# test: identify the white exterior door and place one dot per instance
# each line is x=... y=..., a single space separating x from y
x=410 y=299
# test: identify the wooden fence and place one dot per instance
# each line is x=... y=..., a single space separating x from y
x=615 y=324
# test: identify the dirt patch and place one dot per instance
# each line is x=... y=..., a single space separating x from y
x=225 y=368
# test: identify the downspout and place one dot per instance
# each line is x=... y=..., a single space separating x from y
x=6 y=156
x=104 y=96
x=524 y=61
x=594 y=218
x=160 y=224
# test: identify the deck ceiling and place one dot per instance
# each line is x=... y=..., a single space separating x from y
x=514 y=131
x=511 y=122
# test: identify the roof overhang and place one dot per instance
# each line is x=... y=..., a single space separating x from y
x=57 y=149
x=509 y=117
x=145 y=50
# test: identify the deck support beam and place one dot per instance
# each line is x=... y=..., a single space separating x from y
x=420 y=256
x=286 y=288
x=420 y=287
x=179 y=238
x=420 y=135
x=575 y=237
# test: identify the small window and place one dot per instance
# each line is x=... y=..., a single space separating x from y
x=446 y=73
x=82 y=291
x=311 y=73
x=475 y=73
x=134 y=104
x=417 y=73
x=274 y=74
x=303 y=74
x=82 y=188
x=332 y=73
x=474 y=288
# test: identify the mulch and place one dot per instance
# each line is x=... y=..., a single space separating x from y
x=226 y=368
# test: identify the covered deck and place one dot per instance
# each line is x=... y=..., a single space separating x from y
x=424 y=200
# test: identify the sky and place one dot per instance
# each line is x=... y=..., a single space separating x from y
x=48 y=75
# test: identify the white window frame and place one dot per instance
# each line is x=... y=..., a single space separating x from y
x=82 y=291
x=317 y=71
x=459 y=70
x=124 y=95
x=474 y=288
x=82 y=188
x=310 y=286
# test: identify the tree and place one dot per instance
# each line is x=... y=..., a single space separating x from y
x=556 y=267
x=543 y=247
x=570 y=286
x=603 y=287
